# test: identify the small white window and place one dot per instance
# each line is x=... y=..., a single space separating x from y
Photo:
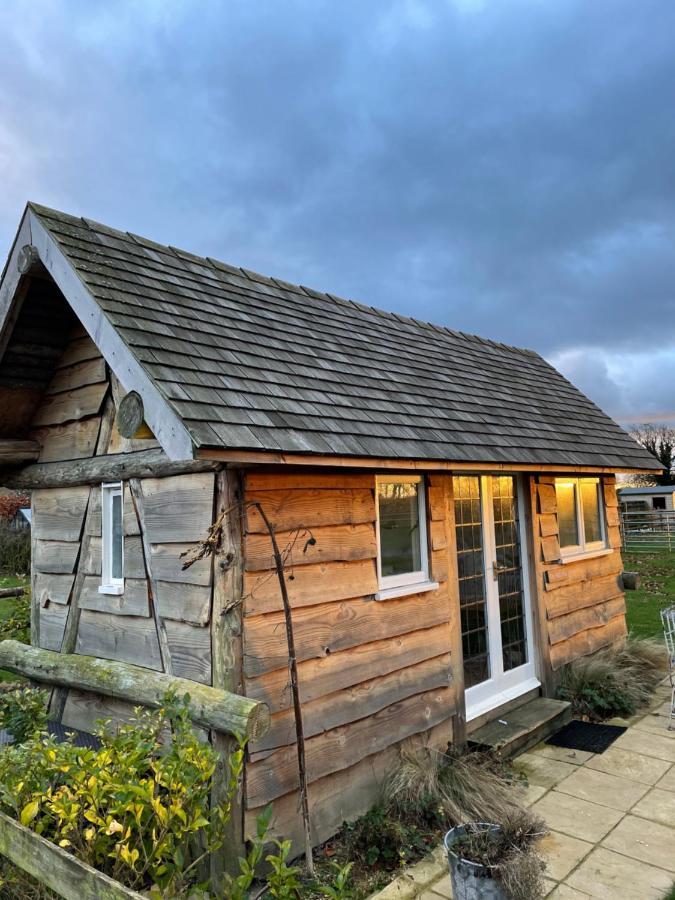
x=581 y=523
x=112 y=543
x=402 y=553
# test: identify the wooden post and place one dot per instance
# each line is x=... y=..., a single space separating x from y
x=456 y=653
x=536 y=574
x=226 y=656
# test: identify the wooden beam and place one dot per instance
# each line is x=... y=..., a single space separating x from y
x=208 y=706
x=115 y=467
x=12 y=451
x=56 y=868
x=263 y=457
x=131 y=417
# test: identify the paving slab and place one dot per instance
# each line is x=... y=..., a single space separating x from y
x=576 y=817
x=563 y=754
x=427 y=870
x=656 y=725
x=562 y=853
x=667 y=783
x=443 y=888
x=565 y=892
x=611 y=876
x=607 y=790
x=649 y=842
x=630 y=765
x=401 y=888
x=658 y=806
x=648 y=743
x=530 y=793
x=542 y=770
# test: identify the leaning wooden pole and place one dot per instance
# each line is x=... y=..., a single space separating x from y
x=297 y=708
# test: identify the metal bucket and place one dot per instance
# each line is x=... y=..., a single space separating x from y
x=470 y=880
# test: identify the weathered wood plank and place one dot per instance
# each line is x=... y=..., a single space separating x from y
x=611 y=499
x=190 y=647
x=52 y=621
x=588 y=642
x=309 y=585
x=83 y=709
x=56 y=868
x=189 y=603
x=290 y=509
x=121 y=638
x=357 y=702
x=331 y=627
x=167 y=565
x=564 y=627
x=76 y=440
x=341 y=748
x=582 y=570
x=308 y=479
x=71 y=405
x=133 y=602
x=133 y=557
x=612 y=516
x=58 y=515
x=534 y=570
x=547 y=499
x=439 y=540
x=78 y=375
x=53 y=588
x=78 y=350
x=337 y=671
x=550 y=548
x=207 y=706
x=55 y=557
x=548 y=525
x=115 y=467
x=18 y=451
x=178 y=509
x=580 y=594
x=337 y=542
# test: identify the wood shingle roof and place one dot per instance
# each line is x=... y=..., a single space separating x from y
x=254 y=363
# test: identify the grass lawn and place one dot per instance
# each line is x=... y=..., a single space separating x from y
x=657 y=572
x=7 y=608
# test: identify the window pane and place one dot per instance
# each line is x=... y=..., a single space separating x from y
x=591 y=509
x=509 y=581
x=399 y=528
x=567 y=513
x=117 y=536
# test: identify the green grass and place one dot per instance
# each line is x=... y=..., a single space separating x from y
x=7 y=608
x=643 y=607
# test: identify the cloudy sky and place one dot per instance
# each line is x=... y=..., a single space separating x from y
x=505 y=167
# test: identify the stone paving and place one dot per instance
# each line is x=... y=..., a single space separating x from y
x=611 y=818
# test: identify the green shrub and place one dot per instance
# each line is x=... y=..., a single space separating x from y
x=380 y=839
x=23 y=710
x=14 y=550
x=17 y=626
x=613 y=682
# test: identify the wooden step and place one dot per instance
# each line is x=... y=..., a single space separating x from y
x=523 y=727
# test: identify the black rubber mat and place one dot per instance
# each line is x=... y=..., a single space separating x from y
x=61 y=733
x=588 y=736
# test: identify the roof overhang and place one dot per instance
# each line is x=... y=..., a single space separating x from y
x=166 y=425
x=259 y=457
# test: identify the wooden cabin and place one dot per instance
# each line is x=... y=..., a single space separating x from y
x=445 y=505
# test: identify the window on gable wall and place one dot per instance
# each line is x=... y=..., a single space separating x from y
x=403 y=556
x=581 y=522
x=112 y=539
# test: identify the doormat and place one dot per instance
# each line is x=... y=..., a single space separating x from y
x=577 y=735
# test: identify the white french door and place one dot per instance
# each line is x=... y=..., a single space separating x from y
x=494 y=596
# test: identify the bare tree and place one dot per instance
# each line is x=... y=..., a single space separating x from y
x=658 y=439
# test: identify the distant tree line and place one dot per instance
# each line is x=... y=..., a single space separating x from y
x=660 y=441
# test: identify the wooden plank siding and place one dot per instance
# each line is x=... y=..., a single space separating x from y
x=582 y=601
x=372 y=674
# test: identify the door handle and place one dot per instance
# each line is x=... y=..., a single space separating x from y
x=496 y=569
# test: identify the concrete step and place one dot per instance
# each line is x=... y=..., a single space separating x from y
x=523 y=727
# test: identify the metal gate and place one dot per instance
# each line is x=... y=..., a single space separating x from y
x=648 y=531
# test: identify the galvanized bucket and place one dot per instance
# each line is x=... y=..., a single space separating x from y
x=470 y=880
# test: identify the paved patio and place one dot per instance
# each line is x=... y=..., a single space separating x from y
x=611 y=815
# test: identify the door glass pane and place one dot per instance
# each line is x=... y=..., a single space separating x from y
x=117 y=537
x=470 y=566
x=591 y=509
x=509 y=572
x=567 y=512
x=399 y=528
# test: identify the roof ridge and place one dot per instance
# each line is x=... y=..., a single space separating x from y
x=312 y=293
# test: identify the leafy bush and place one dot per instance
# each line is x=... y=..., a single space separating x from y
x=14 y=550
x=613 y=682
x=133 y=809
x=17 y=626
x=23 y=710
x=380 y=839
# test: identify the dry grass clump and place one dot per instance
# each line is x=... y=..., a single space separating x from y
x=614 y=682
x=466 y=787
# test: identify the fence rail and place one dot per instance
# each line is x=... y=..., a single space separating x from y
x=648 y=530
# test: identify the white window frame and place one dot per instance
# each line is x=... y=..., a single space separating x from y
x=583 y=548
x=110 y=584
x=408 y=582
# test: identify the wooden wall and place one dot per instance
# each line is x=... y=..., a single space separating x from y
x=74 y=421
x=372 y=673
x=581 y=603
